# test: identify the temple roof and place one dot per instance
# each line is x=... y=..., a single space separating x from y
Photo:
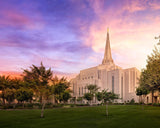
x=107 y=55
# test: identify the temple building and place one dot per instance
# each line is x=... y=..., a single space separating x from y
x=108 y=76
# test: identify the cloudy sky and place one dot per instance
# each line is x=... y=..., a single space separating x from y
x=69 y=35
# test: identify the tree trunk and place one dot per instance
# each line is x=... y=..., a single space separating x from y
x=9 y=102
x=143 y=102
x=3 y=93
x=40 y=98
x=4 y=101
x=55 y=100
x=42 y=111
x=152 y=96
x=106 y=109
x=23 y=103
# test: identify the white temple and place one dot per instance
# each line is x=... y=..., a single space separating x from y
x=108 y=76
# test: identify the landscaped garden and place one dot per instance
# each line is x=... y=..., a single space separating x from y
x=120 y=116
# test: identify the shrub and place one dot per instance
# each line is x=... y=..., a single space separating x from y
x=19 y=106
x=149 y=104
x=118 y=103
x=156 y=104
x=72 y=105
x=7 y=106
x=132 y=101
x=82 y=104
x=28 y=105
x=49 y=105
x=58 y=105
x=37 y=105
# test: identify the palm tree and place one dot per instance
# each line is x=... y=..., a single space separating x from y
x=92 y=88
x=108 y=97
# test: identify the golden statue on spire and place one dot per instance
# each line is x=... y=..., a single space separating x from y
x=108 y=29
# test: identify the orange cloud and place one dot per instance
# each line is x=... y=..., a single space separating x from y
x=12 y=74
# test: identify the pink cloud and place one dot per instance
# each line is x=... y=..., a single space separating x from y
x=135 y=5
x=53 y=62
x=19 y=19
x=141 y=5
x=155 y=6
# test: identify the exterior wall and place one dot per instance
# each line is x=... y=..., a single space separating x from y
x=125 y=81
x=156 y=98
x=131 y=76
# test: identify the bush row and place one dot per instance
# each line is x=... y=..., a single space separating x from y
x=50 y=105
x=38 y=106
x=154 y=104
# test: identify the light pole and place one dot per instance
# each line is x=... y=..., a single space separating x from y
x=159 y=39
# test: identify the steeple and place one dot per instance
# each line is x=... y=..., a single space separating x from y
x=107 y=55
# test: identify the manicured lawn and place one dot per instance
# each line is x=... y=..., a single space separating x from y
x=120 y=116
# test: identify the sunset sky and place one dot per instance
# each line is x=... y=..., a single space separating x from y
x=69 y=35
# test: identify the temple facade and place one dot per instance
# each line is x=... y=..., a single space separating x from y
x=109 y=76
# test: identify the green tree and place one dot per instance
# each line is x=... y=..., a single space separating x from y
x=38 y=79
x=17 y=83
x=106 y=97
x=142 y=92
x=99 y=96
x=150 y=76
x=8 y=87
x=9 y=95
x=88 y=96
x=47 y=93
x=4 y=84
x=23 y=94
x=66 y=95
x=73 y=100
x=60 y=86
x=80 y=99
x=92 y=88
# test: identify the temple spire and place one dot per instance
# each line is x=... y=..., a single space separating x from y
x=107 y=55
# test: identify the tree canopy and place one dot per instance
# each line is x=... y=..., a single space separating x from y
x=38 y=78
x=150 y=76
x=61 y=89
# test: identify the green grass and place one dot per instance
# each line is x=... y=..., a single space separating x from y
x=120 y=116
